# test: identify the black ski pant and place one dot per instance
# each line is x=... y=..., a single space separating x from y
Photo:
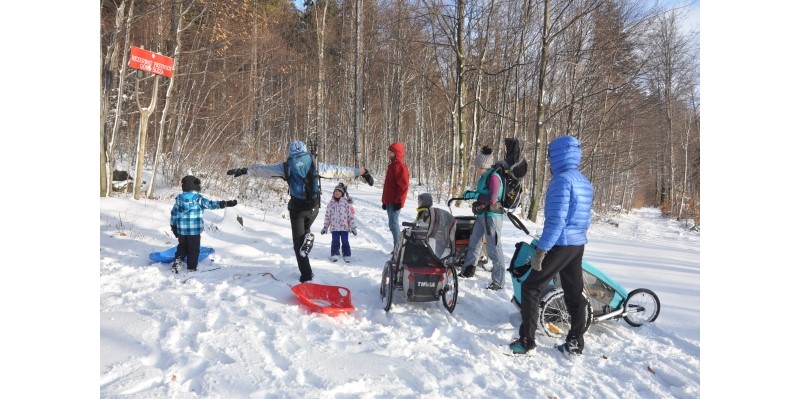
x=566 y=262
x=189 y=246
x=301 y=221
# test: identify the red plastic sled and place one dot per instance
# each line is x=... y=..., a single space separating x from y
x=329 y=299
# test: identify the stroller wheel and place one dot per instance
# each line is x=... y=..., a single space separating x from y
x=450 y=291
x=641 y=306
x=554 y=317
x=387 y=285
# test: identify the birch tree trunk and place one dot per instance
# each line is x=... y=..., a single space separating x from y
x=104 y=183
x=107 y=138
x=144 y=117
x=168 y=103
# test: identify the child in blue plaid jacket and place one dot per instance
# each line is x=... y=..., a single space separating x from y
x=186 y=221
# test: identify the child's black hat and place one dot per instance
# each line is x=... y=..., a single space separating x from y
x=190 y=183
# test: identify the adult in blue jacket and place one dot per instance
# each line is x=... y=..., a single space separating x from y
x=559 y=250
x=304 y=194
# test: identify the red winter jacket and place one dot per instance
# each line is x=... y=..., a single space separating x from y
x=395 y=185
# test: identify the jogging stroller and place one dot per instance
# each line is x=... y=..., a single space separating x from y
x=607 y=299
x=463 y=233
x=421 y=267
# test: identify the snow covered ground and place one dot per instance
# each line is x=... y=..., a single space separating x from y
x=240 y=332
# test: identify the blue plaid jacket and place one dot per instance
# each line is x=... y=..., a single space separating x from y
x=187 y=213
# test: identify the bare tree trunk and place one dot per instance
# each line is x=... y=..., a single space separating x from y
x=460 y=89
x=357 y=104
x=107 y=141
x=143 y=122
x=476 y=115
x=103 y=113
x=537 y=129
x=167 y=102
x=319 y=106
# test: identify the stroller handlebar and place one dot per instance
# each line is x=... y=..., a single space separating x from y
x=514 y=219
x=450 y=201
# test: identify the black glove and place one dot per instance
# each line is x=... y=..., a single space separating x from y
x=383 y=206
x=174 y=230
x=536 y=262
x=368 y=177
x=398 y=205
x=354 y=230
x=324 y=231
x=231 y=203
x=237 y=172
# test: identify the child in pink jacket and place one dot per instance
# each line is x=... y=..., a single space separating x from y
x=340 y=220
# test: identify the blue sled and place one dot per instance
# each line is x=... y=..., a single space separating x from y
x=169 y=255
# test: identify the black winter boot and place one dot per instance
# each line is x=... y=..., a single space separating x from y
x=467 y=272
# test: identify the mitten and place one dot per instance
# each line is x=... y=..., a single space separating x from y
x=368 y=177
x=174 y=230
x=324 y=230
x=354 y=230
x=237 y=172
x=383 y=206
x=231 y=203
x=536 y=262
x=469 y=194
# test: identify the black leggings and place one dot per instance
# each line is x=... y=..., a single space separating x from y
x=566 y=262
x=301 y=225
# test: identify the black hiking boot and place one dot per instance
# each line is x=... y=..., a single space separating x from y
x=467 y=272
x=571 y=347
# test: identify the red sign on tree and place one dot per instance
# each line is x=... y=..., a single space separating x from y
x=150 y=62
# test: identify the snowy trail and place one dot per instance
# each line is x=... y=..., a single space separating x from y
x=239 y=332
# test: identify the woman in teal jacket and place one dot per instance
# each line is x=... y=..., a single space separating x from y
x=488 y=220
x=567 y=212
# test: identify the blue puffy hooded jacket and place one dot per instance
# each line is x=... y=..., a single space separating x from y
x=568 y=202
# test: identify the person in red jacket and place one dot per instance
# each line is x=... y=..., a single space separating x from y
x=395 y=187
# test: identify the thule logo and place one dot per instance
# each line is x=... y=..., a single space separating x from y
x=426 y=284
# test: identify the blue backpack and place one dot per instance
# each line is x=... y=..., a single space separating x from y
x=302 y=173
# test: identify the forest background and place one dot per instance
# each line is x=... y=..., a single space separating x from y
x=444 y=77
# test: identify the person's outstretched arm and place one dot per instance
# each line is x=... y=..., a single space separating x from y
x=265 y=171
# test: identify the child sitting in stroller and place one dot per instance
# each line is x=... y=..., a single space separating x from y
x=424 y=204
x=421 y=268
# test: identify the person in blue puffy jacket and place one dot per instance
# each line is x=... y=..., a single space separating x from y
x=186 y=221
x=559 y=250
